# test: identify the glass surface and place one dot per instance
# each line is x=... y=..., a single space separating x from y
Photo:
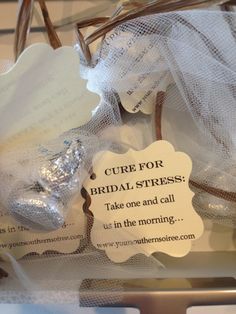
x=218 y=309
x=61 y=309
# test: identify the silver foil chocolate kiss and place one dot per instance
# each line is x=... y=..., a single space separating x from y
x=42 y=205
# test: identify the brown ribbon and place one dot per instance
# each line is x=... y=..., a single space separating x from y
x=23 y=26
x=228 y=196
x=105 y=24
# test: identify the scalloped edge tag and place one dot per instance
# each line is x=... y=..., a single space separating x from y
x=43 y=95
x=142 y=203
x=20 y=241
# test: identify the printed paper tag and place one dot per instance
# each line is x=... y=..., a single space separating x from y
x=142 y=97
x=19 y=241
x=137 y=89
x=43 y=95
x=142 y=203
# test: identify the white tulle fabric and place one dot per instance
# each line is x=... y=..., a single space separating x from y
x=197 y=50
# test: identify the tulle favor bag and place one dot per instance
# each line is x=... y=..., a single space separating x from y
x=178 y=67
x=171 y=75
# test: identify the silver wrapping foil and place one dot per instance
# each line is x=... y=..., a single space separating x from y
x=60 y=175
x=216 y=208
x=43 y=205
x=37 y=210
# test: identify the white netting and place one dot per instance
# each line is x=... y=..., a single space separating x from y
x=196 y=50
x=191 y=55
x=41 y=178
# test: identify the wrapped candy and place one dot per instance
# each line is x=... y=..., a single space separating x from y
x=42 y=205
x=42 y=180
